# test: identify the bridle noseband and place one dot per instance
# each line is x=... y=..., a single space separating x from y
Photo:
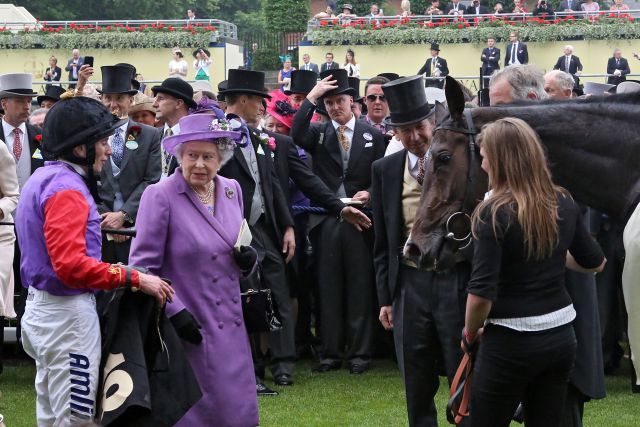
x=468 y=200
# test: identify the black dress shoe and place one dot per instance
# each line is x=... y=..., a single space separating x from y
x=263 y=390
x=358 y=368
x=283 y=379
x=326 y=367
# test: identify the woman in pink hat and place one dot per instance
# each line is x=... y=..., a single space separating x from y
x=188 y=226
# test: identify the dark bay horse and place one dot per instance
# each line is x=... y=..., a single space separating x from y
x=593 y=148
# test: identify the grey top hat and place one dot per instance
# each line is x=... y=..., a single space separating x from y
x=16 y=85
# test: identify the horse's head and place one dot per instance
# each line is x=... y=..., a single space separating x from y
x=454 y=184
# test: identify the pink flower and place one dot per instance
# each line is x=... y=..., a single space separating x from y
x=272 y=143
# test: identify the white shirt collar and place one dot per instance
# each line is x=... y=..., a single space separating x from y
x=351 y=124
x=175 y=129
x=75 y=167
x=8 y=129
x=413 y=160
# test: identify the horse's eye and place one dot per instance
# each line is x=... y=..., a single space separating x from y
x=444 y=158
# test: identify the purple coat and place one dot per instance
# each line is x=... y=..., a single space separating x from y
x=178 y=239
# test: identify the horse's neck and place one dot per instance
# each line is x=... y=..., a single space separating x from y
x=594 y=153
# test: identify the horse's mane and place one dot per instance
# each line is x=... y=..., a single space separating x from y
x=626 y=98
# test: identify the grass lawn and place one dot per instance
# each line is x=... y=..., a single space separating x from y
x=333 y=399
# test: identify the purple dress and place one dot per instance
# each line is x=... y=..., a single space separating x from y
x=178 y=239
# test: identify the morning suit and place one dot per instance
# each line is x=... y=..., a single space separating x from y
x=490 y=59
x=345 y=270
x=428 y=307
x=574 y=66
x=332 y=66
x=617 y=64
x=435 y=63
x=310 y=67
x=140 y=168
x=268 y=232
x=178 y=238
x=32 y=132
x=520 y=52
x=69 y=68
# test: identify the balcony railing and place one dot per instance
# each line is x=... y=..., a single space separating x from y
x=223 y=28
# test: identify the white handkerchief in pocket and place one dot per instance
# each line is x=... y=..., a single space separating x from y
x=368 y=144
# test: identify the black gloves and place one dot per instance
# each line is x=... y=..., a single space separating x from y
x=245 y=257
x=187 y=327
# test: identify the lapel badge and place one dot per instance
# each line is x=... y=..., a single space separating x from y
x=228 y=191
x=131 y=144
x=367 y=136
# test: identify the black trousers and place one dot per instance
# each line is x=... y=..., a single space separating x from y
x=346 y=288
x=114 y=253
x=528 y=367
x=272 y=265
x=428 y=320
x=609 y=286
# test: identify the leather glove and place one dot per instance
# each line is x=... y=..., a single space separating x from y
x=245 y=257
x=187 y=327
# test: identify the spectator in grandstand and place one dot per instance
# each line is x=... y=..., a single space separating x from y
x=73 y=67
x=36 y=118
x=347 y=14
x=498 y=8
x=374 y=11
x=405 y=7
x=590 y=6
x=455 y=8
x=53 y=72
x=558 y=84
x=328 y=13
x=570 y=6
x=350 y=64
x=434 y=9
x=191 y=15
x=518 y=7
x=475 y=8
x=619 y=5
x=201 y=63
x=178 y=67
x=543 y=9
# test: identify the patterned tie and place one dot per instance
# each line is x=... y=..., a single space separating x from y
x=380 y=127
x=17 y=144
x=342 y=137
x=166 y=157
x=421 y=170
x=117 y=146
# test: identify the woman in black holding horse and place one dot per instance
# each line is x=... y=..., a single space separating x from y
x=525 y=233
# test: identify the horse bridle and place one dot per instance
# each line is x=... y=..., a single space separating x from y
x=468 y=200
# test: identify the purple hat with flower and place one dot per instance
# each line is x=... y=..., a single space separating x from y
x=205 y=127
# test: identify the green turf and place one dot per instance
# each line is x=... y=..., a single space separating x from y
x=333 y=399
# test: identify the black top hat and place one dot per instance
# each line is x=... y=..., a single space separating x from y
x=407 y=101
x=117 y=79
x=435 y=46
x=342 y=79
x=354 y=82
x=76 y=121
x=53 y=93
x=221 y=86
x=246 y=81
x=390 y=76
x=177 y=88
x=135 y=84
x=302 y=81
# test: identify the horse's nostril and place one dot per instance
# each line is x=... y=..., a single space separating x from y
x=411 y=250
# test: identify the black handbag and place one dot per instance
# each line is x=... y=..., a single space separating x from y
x=259 y=312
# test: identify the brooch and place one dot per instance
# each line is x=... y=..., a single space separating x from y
x=228 y=191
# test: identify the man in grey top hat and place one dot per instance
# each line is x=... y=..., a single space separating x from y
x=424 y=309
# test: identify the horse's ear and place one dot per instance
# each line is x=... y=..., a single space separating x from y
x=455 y=97
x=442 y=113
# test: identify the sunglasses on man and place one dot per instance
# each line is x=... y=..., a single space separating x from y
x=374 y=98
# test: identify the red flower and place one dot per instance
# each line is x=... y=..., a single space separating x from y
x=38 y=138
x=323 y=23
x=171 y=28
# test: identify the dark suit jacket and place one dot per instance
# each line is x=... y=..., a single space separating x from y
x=32 y=131
x=275 y=202
x=312 y=67
x=490 y=60
x=141 y=167
x=522 y=54
x=564 y=5
x=334 y=66
x=56 y=78
x=441 y=64
x=472 y=10
x=574 y=66
x=623 y=66
x=289 y=165
x=69 y=68
x=388 y=223
x=321 y=141
x=449 y=8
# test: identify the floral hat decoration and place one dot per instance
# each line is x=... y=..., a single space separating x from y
x=205 y=127
x=280 y=108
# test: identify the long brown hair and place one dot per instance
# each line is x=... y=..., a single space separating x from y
x=521 y=182
x=353 y=57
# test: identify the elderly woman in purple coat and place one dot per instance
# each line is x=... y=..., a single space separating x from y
x=187 y=227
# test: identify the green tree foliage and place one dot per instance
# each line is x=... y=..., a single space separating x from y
x=286 y=15
x=49 y=10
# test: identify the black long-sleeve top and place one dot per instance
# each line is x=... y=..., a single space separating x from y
x=521 y=287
